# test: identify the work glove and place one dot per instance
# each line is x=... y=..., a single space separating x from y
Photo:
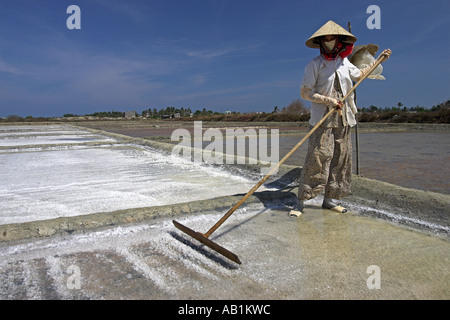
x=309 y=94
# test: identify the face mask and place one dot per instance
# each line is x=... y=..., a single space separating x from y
x=330 y=44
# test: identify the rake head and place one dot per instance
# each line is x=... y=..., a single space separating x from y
x=203 y=239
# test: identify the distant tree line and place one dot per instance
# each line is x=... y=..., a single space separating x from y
x=293 y=112
x=104 y=114
x=436 y=114
x=168 y=111
x=181 y=112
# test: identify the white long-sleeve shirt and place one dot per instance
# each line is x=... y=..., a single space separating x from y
x=319 y=76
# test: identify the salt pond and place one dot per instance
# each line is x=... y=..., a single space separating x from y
x=11 y=136
x=321 y=255
x=44 y=183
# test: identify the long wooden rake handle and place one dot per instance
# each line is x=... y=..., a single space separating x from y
x=380 y=59
x=267 y=176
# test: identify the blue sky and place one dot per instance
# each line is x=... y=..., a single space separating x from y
x=246 y=55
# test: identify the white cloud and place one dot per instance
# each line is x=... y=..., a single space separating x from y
x=219 y=52
x=198 y=79
x=210 y=54
x=10 y=69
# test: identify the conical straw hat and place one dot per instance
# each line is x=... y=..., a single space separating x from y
x=329 y=28
x=358 y=52
x=371 y=47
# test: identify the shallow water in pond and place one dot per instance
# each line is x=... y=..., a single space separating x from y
x=418 y=159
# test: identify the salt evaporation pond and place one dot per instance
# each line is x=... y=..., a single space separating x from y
x=41 y=183
x=12 y=136
x=322 y=255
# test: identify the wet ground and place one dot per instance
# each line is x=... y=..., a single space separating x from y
x=321 y=255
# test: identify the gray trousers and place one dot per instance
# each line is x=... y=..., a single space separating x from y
x=328 y=164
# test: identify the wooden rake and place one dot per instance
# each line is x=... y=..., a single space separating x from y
x=204 y=238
